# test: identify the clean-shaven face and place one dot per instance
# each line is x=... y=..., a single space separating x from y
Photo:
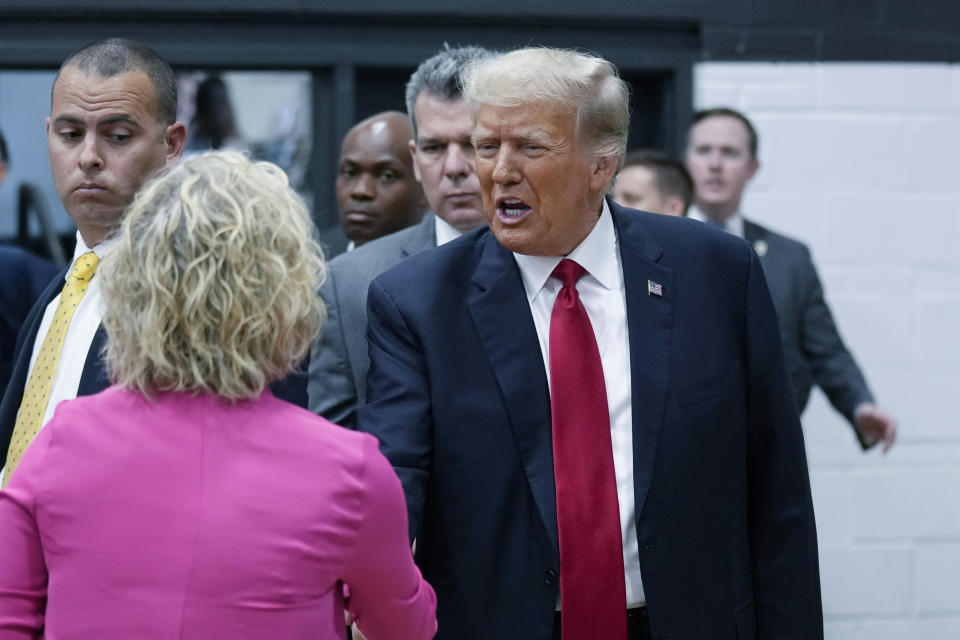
x=542 y=193
x=377 y=192
x=105 y=141
x=443 y=160
x=719 y=161
x=636 y=187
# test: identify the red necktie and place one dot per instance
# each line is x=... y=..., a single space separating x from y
x=592 y=590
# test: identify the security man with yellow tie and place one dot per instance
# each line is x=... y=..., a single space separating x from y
x=112 y=126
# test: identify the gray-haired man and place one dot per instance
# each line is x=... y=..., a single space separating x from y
x=443 y=163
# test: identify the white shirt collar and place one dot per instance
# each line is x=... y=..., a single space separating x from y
x=100 y=249
x=734 y=223
x=445 y=232
x=596 y=253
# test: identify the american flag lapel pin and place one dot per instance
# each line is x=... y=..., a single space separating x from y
x=654 y=288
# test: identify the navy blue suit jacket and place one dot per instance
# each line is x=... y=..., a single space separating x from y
x=458 y=396
x=93 y=379
x=25 y=276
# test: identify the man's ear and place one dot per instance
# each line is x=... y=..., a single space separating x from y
x=604 y=170
x=413 y=155
x=175 y=137
x=675 y=206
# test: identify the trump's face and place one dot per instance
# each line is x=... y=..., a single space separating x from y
x=542 y=191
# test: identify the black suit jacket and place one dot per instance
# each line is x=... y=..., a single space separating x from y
x=814 y=351
x=94 y=378
x=457 y=395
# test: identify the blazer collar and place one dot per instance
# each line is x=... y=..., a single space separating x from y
x=424 y=234
x=501 y=315
x=650 y=326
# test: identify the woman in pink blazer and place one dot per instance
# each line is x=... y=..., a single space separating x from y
x=186 y=501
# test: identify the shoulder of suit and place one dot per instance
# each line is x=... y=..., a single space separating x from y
x=443 y=261
x=21 y=260
x=774 y=241
x=679 y=237
x=382 y=253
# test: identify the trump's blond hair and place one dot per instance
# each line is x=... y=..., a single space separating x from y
x=585 y=85
x=213 y=286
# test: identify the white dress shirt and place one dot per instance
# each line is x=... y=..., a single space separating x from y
x=601 y=290
x=733 y=224
x=445 y=231
x=86 y=319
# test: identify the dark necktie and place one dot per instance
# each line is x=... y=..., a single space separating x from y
x=592 y=591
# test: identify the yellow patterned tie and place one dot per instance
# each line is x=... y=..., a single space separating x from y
x=37 y=392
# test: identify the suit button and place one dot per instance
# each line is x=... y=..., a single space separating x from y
x=550 y=577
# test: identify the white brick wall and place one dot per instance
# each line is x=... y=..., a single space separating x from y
x=862 y=162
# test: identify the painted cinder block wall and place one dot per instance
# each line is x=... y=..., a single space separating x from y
x=861 y=161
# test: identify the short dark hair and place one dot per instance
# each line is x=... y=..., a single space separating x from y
x=439 y=75
x=670 y=176
x=752 y=140
x=4 y=156
x=114 y=56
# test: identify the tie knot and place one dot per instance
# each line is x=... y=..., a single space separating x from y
x=568 y=272
x=85 y=266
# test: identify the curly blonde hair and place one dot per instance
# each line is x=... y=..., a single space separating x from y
x=213 y=287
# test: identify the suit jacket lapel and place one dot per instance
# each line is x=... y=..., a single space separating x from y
x=502 y=317
x=21 y=369
x=424 y=237
x=650 y=325
x=94 y=378
x=756 y=237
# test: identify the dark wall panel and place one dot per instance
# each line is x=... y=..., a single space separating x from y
x=360 y=52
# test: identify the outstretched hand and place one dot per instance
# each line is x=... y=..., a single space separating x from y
x=875 y=425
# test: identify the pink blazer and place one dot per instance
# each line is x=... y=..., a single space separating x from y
x=191 y=517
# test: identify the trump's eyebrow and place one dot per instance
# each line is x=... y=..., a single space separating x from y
x=535 y=135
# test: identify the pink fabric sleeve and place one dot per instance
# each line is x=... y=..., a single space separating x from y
x=23 y=572
x=388 y=596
